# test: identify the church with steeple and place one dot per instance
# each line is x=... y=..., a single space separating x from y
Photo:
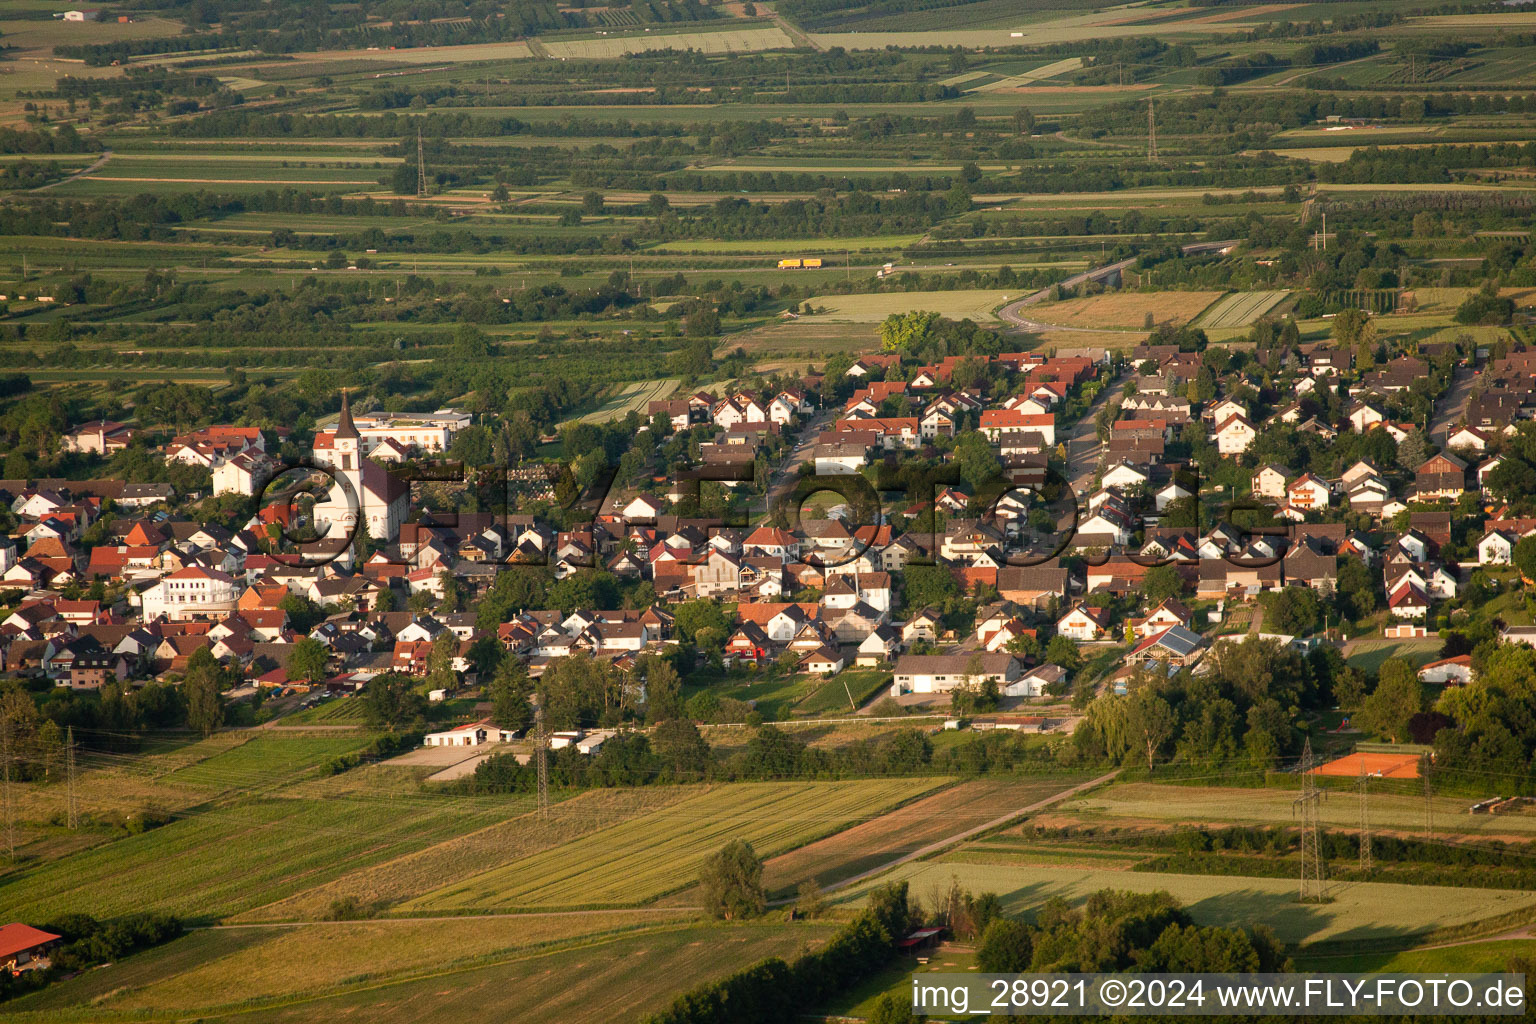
x=364 y=491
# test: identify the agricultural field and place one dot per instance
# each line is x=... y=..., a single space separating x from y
x=905 y=829
x=265 y=761
x=615 y=967
x=527 y=214
x=1122 y=310
x=229 y=857
x=978 y=305
x=640 y=860
x=629 y=398
x=1155 y=804
x=518 y=835
x=733 y=40
x=1357 y=911
x=1240 y=309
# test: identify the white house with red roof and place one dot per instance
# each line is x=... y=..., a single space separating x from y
x=1234 y=434
x=190 y=593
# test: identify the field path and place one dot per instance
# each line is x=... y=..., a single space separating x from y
x=101 y=162
x=1303 y=73
x=1011 y=314
x=800 y=37
x=414 y=919
x=960 y=837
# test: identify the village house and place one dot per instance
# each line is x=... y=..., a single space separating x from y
x=943 y=673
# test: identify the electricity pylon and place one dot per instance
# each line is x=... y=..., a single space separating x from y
x=1309 y=803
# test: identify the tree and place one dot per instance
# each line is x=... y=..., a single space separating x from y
x=1397 y=698
x=509 y=690
x=974 y=456
x=440 y=671
x=929 y=585
x=809 y=901
x=902 y=331
x=1064 y=651
x=1007 y=947
x=390 y=700
x=585 y=588
x=663 y=688
x=1524 y=556
x=201 y=686
x=1412 y=450
x=1356 y=588
x=1161 y=583
x=306 y=661
x=681 y=747
x=1293 y=609
x=692 y=616
x=894 y=1009
x=1151 y=721
x=731 y=882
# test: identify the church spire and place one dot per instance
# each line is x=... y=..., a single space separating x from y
x=345 y=428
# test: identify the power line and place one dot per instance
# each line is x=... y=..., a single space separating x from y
x=1429 y=803
x=541 y=756
x=421 y=165
x=10 y=817
x=69 y=768
x=1366 y=862
x=1311 y=855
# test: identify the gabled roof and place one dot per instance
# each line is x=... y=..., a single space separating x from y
x=1175 y=639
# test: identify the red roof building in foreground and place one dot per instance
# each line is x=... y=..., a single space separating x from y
x=19 y=943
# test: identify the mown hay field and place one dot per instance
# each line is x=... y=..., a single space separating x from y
x=905 y=829
x=632 y=397
x=418 y=872
x=1358 y=910
x=1241 y=309
x=976 y=304
x=733 y=41
x=1123 y=310
x=640 y=860
x=1213 y=805
x=265 y=759
x=224 y=859
x=194 y=972
x=619 y=977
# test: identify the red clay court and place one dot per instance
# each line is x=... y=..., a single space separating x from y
x=1382 y=766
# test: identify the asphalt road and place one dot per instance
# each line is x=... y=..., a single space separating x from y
x=1450 y=409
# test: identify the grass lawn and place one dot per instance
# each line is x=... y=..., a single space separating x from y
x=831 y=697
x=773 y=697
x=642 y=859
x=1368 y=655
